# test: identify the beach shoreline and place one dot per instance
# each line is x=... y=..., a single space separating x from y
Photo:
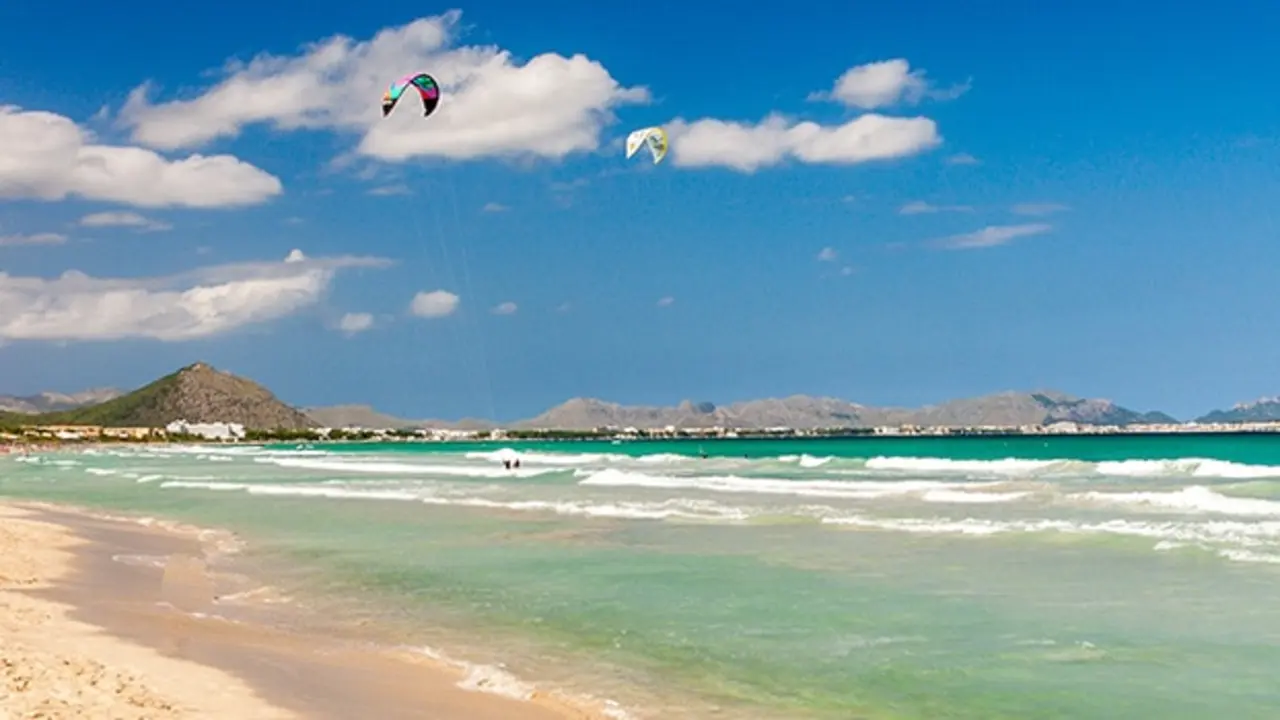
x=119 y=617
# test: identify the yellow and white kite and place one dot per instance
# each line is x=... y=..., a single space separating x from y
x=654 y=137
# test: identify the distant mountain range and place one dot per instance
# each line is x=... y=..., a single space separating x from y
x=199 y=393
x=799 y=411
x=338 y=416
x=803 y=412
x=1261 y=410
x=53 y=402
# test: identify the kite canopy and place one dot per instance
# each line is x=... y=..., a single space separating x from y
x=427 y=88
x=653 y=137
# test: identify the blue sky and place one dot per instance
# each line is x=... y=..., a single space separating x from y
x=1080 y=196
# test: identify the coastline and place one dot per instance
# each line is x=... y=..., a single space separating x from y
x=113 y=617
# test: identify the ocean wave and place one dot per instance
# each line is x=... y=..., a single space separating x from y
x=848 y=489
x=400 y=468
x=1223 y=535
x=497 y=680
x=487 y=463
x=1193 y=499
x=676 y=508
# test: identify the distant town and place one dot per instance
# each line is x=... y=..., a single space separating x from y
x=182 y=431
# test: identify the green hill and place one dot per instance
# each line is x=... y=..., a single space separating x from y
x=197 y=393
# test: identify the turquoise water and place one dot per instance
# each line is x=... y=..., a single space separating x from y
x=1063 y=577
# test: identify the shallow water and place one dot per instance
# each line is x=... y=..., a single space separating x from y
x=1073 y=577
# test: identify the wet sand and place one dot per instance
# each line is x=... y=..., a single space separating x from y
x=83 y=634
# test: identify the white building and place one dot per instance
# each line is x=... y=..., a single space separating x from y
x=207 y=431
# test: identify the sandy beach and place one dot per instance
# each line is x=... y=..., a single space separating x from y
x=85 y=635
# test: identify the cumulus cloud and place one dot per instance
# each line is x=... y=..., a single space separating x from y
x=1038 y=209
x=828 y=254
x=186 y=306
x=45 y=238
x=434 y=304
x=992 y=235
x=549 y=106
x=919 y=207
x=884 y=83
x=506 y=308
x=667 y=301
x=748 y=147
x=353 y=323
x=48 y=157
x=123 y=219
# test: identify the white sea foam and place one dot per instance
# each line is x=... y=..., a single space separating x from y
x=399 y=468
x=1189 y=467
x=495 y=679
x=1008 y=466
x=1194 y=499
x=676 y=508
x=1227 y=536
x=856 y=490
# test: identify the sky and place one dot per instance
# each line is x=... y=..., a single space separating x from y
x=896 y=205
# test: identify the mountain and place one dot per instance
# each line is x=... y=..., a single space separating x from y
x=1260 y=410
x=799 y=411
x=796 y=411
x=1035 y=408
x=196 y=393
x=363 y=416
x=53 y=401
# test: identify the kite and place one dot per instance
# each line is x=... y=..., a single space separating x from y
x=427 y=88
x=654 y=137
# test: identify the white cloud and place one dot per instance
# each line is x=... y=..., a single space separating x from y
x=493 y=207
x=962 y=159
x=45 y=238
x=391 y=190
x=846 y=271
x=123 y=219
x=667 y=301
x=434 y=304
x=992 y=235
x=492 y=105
x=353 y=323
x=884 y=83
x=747 y=148
x=1038 y=209
x=48 y=157
x=919 y=207
x=197 y=304
x=828 y=254
x=506 y=308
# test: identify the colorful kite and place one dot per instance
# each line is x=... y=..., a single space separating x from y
x=427 y=88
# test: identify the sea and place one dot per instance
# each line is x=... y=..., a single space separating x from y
x=980 y=578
